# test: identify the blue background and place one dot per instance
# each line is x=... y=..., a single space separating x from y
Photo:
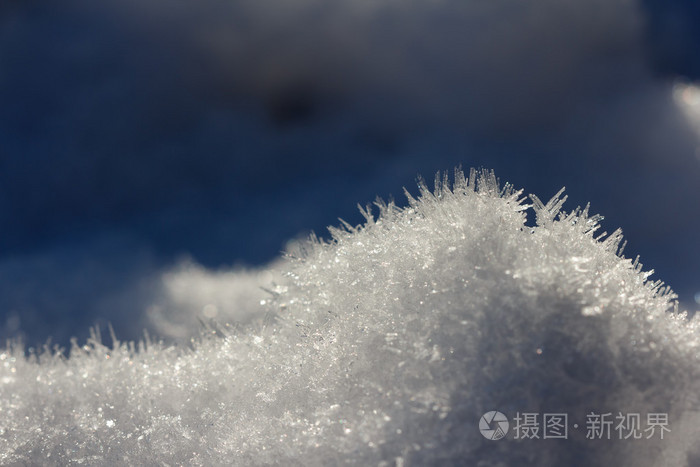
x=133 y=134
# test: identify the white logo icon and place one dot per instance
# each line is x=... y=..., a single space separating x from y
x=494 y=425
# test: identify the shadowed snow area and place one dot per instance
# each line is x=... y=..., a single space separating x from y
x=385 y=346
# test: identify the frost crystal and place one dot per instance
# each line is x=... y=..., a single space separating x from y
x=385 y=345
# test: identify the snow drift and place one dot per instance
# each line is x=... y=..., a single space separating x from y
x=385 y=346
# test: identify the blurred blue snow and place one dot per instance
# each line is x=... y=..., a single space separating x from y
x=133 y=134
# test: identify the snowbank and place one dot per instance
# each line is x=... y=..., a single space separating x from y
x=385 y=346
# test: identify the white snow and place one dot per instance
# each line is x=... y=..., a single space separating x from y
x=384 y=346
x=189 y=295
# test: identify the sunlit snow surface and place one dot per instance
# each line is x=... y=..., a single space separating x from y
x=385 y=346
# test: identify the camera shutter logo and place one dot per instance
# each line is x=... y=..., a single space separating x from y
x=494 y=425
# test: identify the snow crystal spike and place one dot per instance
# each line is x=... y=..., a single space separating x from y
x=113 y=336
x=95 y=335
x=622 y=248
x=386 y=208
x=146 y=342
x=612 y=243
x=571 y=217
x=337 y=233
x=488 y=183
x=637 y=265
x=422 y=187
x=592 y=222
x=411 y=200
x=381 y=204
x=460 y=182
x=537 y=204
x=472 y=179
x=507 y=190
x=584 y=211
x=446 y=183
x=439 y=187
x=555 y=204
x=669 y=292
x=546 y=213
x=347 y=226
x=519 y=201
x=74 y=347
x=480 y=181
x=366 y=213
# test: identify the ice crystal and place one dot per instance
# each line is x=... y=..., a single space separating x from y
x=384 y=346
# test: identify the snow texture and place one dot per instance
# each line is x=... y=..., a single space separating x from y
x=384 y=346
x=190 y=295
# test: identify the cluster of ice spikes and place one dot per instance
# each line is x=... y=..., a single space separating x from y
x=384 y=346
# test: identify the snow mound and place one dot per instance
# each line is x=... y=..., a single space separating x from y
x=385 y=346
x=190 y=295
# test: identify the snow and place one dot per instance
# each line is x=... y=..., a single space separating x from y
x=384 y=346
x=189 y=295
x=388 y=88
